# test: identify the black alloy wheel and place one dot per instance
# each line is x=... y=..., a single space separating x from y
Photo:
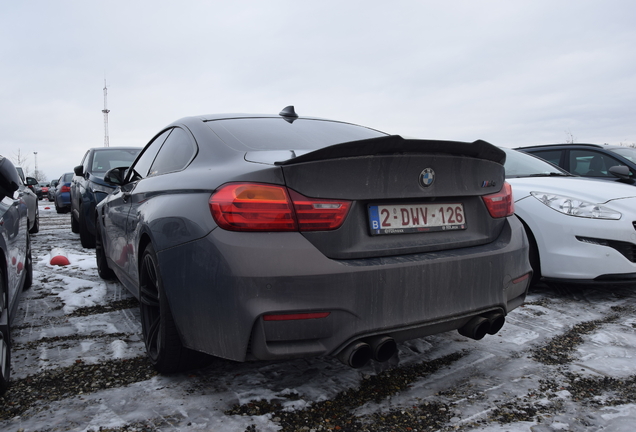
x=103 y=270
x=163 y=345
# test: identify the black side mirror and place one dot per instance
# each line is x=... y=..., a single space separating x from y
x=620 y=171
x=79 y=170
x=116 y=176
x=9 y=178
x=31 y=181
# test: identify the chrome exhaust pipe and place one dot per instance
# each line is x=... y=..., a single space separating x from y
x=496 y=320
x=356 y=354
x=383 y=348
x=476 y=328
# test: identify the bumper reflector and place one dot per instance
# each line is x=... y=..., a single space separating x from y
x=296 y=316
x=521 y=278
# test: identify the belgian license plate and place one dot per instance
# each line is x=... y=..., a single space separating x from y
x=410 y=218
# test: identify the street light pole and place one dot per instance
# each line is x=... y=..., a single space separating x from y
x=36 y=165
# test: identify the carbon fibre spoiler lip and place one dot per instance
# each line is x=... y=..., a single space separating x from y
x=395 y=144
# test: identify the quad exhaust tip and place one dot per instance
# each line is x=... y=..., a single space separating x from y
x=359 y=353
x=480 y=326
x=381 y=348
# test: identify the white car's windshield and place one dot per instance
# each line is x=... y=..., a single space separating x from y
x=519 y=164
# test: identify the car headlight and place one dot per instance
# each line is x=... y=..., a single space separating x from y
x=575 y=207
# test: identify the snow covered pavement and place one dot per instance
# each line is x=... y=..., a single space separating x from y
x=566 y=360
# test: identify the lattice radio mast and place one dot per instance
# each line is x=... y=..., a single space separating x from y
x=105 y=111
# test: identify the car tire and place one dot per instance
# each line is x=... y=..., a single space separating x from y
x=163 y=345
x=74 y=224
x=103 y=270
x=36 y=224
x=28 y=267
x=5 y=345
x=57 y=208
x=87 y=239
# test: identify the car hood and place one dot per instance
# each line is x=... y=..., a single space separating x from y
x=596 y=191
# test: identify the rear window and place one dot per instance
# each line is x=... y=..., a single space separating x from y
x=67 y=177
x=520 y=164
x=248 y=134
x=552 y=156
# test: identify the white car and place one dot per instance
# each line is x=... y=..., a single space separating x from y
x=580 y=230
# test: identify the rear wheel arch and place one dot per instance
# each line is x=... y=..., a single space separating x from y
x=36 y=222
x=533 y=253
x=144 y=241
x=161 y=335
x=28 y=267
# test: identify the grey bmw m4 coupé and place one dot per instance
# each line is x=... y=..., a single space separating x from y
x=264 y=237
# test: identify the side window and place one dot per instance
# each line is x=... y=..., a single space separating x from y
x=141 y=168
x=552 y=156
x=175 y=154
x=590 y=163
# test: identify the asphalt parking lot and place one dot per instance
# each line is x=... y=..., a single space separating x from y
x=563 y=361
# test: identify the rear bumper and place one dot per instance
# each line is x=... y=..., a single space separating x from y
x=64 y=200
x=227 y=282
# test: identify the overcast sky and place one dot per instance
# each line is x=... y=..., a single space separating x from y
x=509 y=72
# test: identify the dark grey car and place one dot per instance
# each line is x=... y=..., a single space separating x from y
x=271 y=237
x=88 y=187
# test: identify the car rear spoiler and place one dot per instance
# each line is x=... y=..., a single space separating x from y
x=395 y=144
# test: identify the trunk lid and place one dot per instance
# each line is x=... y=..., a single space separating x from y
x=387 y=173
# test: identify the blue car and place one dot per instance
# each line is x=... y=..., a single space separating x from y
x=88 y=187
x=62 y=194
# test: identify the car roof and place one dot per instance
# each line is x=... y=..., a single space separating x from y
x=232 y=116
x=114 y=148
x=565 y=145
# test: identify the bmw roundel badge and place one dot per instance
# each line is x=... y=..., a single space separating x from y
x=427 y=177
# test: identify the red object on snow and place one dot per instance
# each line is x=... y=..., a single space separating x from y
x=58 y=257
x=60 y=260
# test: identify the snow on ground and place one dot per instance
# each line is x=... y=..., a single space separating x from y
x=50 y=334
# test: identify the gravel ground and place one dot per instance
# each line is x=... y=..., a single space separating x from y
x=564 y=361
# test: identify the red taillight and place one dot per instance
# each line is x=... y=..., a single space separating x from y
x=261 y=207
x=253 y=207
x=65 y=189
x=319 y=214
x=500 y=204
